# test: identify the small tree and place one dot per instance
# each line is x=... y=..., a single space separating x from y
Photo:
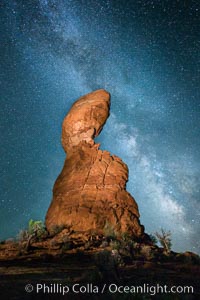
x=36 y=230
x=165 y=239
x=109 y=231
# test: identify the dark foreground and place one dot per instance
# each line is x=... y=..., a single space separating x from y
x=95 y=275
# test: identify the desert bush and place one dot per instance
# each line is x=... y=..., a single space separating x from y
x=104 y=243
x=23 y=235
x=146 y=251
x=115 y=245
x=109 y=231
x=164 y=238
x=126 y=237
x=128 y=241
x=117 y=257
x=37 y=229
x=124 y=246
x=87 y=245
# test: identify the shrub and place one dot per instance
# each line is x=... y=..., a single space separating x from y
x=146 y=251
x=117 y=257
x=165 y=239
x=23 y=235
x=115 y=245
x=109 y=231
x=126 y=236
x=36 y=231
x=104 y=244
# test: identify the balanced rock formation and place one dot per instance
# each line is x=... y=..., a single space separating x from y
x=90 y=193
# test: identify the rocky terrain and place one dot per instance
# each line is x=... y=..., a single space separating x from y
x=92 y=238
x=66 y=259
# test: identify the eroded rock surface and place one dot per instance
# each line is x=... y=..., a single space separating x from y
x=90 y=193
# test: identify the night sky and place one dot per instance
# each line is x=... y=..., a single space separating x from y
x=147 y=55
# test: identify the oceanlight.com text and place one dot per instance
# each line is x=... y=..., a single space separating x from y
x=112 y=288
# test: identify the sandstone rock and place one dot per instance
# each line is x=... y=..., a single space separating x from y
x=85 y=119
x=90 y=193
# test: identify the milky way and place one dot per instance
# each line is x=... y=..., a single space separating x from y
x=147 y=55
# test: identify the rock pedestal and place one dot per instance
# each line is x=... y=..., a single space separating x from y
x=90 y=193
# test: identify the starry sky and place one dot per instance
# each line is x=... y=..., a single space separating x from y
x=147 y=55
